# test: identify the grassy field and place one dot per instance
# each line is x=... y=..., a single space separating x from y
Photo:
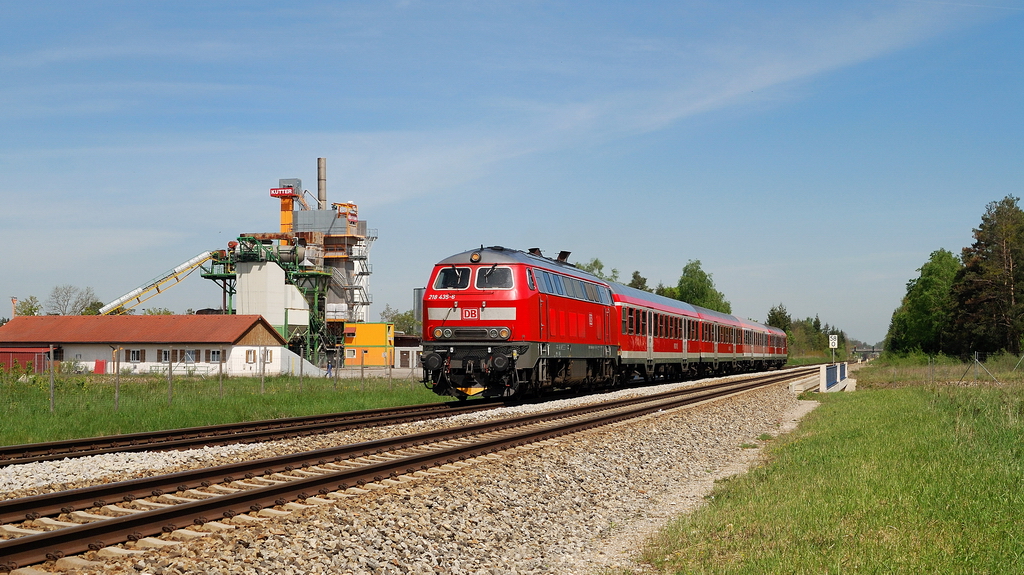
x=85 y=404
x=911 y=477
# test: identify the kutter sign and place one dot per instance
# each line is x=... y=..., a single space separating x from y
x=282 y=192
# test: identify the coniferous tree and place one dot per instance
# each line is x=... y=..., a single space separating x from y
x=988 y=291
x=779 y=317
x=638 y=281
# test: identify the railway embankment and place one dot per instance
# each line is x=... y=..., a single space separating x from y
x=556 y=507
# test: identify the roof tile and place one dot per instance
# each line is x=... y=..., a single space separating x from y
x=223 y=329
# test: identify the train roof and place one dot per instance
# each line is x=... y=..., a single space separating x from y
x=503 y=255
x=628 y=294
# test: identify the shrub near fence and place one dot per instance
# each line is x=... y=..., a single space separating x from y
x=84 y=404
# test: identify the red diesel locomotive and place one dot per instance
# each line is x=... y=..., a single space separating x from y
x=505 y=323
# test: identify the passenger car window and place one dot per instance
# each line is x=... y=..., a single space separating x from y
x=493 y=278
x=452 y=278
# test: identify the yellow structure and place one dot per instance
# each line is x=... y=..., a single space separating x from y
x=369 y=344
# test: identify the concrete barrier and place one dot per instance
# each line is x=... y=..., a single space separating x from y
x=833 y=377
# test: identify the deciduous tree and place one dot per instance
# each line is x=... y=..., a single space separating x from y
x=28 y=306
x=596 y=267
x=696 y=287
x=923 y=317
x=67 y=299
x=405 y=322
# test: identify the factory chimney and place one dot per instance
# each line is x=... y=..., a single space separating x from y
x=321 y=183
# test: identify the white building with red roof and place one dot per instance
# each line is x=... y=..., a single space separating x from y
x=188 y=344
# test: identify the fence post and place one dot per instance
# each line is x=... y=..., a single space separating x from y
x=263 y=368
x=52 y=403
x=117 y=379
x=301 y=361
x=220 y=373
x=170 y=379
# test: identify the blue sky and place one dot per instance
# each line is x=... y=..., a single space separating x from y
x=807 y=153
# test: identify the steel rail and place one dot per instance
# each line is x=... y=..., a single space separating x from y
x=54 y=544
x=244 y=432
x=46 y=504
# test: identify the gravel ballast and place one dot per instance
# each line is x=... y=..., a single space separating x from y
x=573 y=505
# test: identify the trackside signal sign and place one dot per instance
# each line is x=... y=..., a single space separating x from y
x=833 y=341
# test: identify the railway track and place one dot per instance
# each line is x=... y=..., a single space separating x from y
x=230 y=433
x=138 y=509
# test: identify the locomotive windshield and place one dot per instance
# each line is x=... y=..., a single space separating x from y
x=493 y=278
x=453 y=278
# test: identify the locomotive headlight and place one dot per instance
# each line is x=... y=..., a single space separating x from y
x=503 y=333
x=447 y=332
x=493 y=333
x=437 y=333
x=474 y=257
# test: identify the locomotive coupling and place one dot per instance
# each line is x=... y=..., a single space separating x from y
x=432 y=361
x=499 y=362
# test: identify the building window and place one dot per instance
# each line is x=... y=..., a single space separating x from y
x=250 y=356
x=165 y=356
x=188 y=356
x=350 y=353
x=268 y=356
x=214 y=356
x=135 y=355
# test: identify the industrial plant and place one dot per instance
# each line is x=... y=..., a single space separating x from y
x=308 y=279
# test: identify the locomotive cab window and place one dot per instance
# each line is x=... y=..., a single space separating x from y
x=493 y=278
x=452 y=278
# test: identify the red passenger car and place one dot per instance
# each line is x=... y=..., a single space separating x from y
x=500 y=322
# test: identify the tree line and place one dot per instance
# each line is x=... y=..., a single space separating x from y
x=971 y=303
x=809 y=337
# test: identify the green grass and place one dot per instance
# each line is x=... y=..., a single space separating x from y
x=84 y=404
x=912 y=479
